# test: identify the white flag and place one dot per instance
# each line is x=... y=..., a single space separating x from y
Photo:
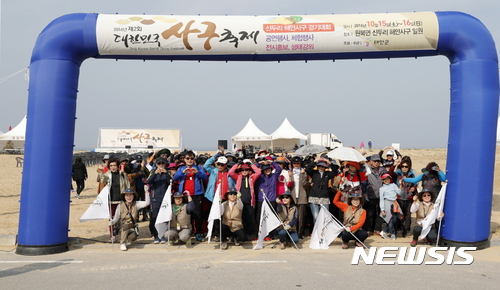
x=99 y=209
x=430 y=219
x=326 y=229
x=215 y=213
x=165 y=212
x=268 y=222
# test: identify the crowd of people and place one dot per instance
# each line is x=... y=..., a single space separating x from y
x=376 y=197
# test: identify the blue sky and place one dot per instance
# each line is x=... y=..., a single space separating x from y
x=399 y=100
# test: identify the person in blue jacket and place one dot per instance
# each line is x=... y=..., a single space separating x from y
x=219 y=176
x=431 y=178
x=190 y=178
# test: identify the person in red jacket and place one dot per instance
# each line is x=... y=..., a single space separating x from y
x=245 y=175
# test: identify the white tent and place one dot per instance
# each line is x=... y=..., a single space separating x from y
x=16 y=135
x=286 y=136
x=251 y=135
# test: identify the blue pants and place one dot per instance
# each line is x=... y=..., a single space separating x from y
x=390 y=227
x=283 y=236
x=315 y=208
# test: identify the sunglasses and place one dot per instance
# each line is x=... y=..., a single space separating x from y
x=425 y=195
x=231 y=193
x=161 y=163
x=404 y=166
x=245 y=169
x=188 y=158
x=287 y=197
x=220 y=164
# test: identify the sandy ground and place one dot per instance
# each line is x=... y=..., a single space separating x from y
x=10 y=185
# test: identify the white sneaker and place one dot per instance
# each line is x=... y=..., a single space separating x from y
x=123 y=247
x=128 y=243
x=393 y=237
x=384 y=235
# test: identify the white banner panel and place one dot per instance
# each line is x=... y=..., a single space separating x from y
x=205 y=35
x=139 y=138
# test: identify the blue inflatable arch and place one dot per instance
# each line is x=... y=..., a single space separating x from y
x=66 y=42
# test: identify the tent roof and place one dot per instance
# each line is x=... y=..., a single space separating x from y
x=287 y=131
x=250 y=133
x=17 y=133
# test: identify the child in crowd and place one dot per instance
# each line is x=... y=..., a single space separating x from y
x=389 y=207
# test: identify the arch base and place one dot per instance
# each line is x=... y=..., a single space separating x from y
x=481 y=245
x=41 y=250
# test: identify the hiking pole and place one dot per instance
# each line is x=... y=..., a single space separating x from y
x=344 y=226
x=274 y=212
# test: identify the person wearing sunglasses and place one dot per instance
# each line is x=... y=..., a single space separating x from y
x=159 y=182
x=422 y=206
x=232 y=224
x=191 y=177
x=245 y=175
x=408 y=191
x=354 y=218
x=288 y=215
x=320 y=193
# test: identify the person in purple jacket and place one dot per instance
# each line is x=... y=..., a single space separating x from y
x=267 y=185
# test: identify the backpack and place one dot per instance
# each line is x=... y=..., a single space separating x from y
x=431 y=182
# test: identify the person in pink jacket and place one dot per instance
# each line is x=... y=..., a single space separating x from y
x=245 y=175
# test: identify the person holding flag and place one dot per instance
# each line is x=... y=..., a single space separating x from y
x=159 y=182
x=180 y=224
x=117 y=181
x=424 y=208
x=232 y=222
x=127 y=216
x=288 y=214
x=354 y=218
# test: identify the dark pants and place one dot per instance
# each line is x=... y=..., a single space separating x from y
x=155 y=208
x=301 y=220
x=197 y=214
x=406 y=222
x=432 y=235
x=373 y=221
x=391 y=226
x=360 y=234
x=239 y=235
x=80 y=185
x=113 y=211
x=283 y=236
x=247 y=218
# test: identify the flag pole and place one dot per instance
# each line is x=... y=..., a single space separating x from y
x=111 y=218
x=439 y=215
x=168 y=234
x=276 y=214
x=343 y=226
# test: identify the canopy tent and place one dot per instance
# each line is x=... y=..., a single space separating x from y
x=16 y=135
x=251 y=136
x=286 y=137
